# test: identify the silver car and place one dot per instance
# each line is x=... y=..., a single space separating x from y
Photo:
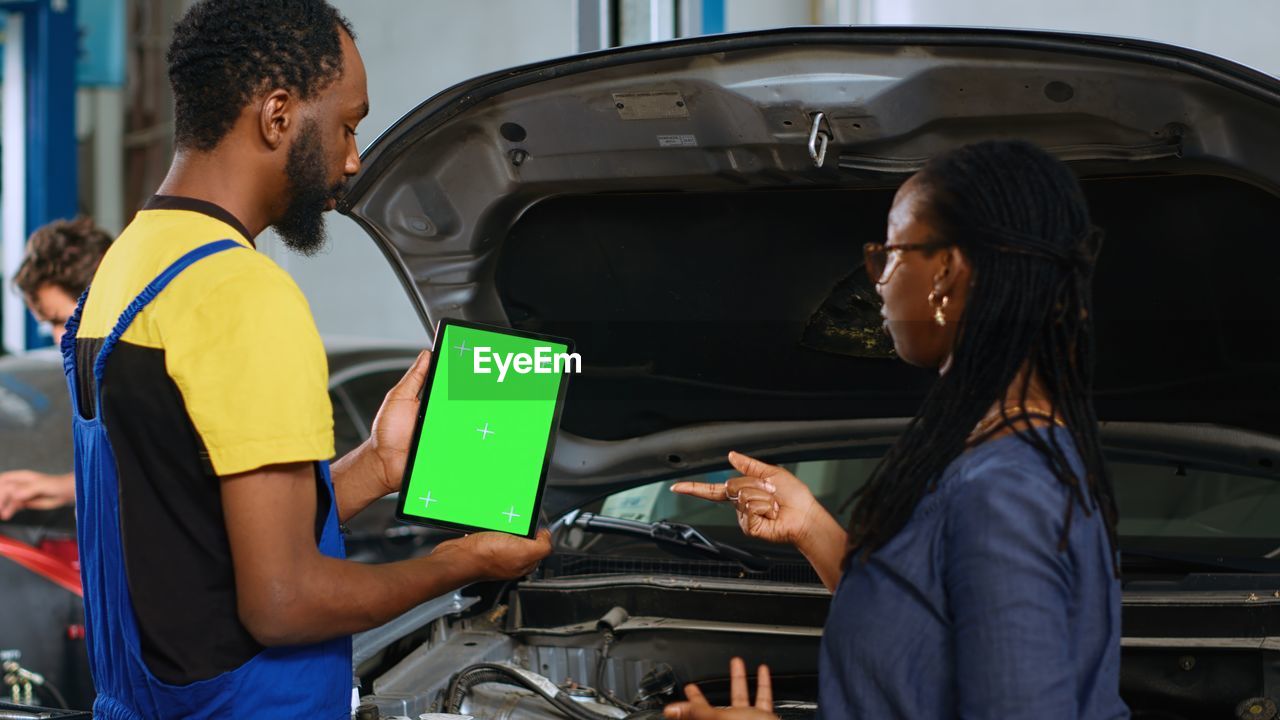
x=692 y=212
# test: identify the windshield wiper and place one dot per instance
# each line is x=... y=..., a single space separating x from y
x=671 y=534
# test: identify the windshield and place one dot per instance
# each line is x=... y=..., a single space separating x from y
x=1163 y=508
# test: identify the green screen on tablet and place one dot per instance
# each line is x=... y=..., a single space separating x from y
x=486 y=428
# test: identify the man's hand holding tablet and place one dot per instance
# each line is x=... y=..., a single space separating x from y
x=497 y=555
x=481 y=450
x=484 y=555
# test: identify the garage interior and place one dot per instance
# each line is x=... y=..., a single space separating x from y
x=87 y=131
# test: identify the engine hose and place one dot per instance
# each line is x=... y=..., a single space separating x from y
x=481 y=673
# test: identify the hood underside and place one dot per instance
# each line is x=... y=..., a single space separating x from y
x=660 y=205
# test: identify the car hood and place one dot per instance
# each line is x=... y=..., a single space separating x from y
x=660 y=204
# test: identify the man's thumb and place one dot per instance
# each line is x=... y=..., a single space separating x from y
x=411 y=384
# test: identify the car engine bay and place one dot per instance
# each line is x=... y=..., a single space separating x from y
x=609 y=647
x=623 y=646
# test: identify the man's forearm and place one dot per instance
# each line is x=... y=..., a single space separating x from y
x=358 y=479
x=288 y=592
x=328 y=598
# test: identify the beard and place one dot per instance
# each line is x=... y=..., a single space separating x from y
x=302 y=227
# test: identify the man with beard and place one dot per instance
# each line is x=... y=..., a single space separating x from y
x=208 y=515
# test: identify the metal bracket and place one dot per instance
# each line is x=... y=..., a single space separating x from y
x=818 y=140
x=370 y=642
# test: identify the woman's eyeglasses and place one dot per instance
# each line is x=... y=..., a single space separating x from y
x=875 y=257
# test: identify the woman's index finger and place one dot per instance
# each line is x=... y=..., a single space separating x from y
x=715 y=492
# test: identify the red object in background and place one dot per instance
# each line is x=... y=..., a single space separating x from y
x=54 y=568
x=65 y=550
x=75 y=632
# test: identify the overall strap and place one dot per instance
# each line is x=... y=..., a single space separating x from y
x=68 y=344
x=148 y=294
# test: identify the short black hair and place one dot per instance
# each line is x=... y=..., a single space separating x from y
x=226 y=51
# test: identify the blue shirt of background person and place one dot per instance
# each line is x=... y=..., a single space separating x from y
x=978 y=575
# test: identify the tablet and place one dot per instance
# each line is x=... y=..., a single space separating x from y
x=486 y=428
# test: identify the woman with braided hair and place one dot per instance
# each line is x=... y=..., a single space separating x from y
x=978 y=574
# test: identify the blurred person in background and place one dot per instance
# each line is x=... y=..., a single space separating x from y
x=60 y=261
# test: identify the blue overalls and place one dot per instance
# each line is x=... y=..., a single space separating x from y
x=308 y=681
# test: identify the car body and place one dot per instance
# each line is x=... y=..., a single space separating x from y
x=672 y=209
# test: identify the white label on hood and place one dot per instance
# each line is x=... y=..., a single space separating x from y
x=677 y=141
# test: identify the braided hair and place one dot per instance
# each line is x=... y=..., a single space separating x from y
x=1021 y=220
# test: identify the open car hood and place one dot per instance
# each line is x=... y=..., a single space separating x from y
x=660 y=205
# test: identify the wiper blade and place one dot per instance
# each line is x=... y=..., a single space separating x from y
x=1202 y=563
x=671 y=534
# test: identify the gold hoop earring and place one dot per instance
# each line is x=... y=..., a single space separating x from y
x=938 y=307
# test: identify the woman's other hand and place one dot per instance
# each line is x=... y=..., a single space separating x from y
x=740 y=708
x=772 y=504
